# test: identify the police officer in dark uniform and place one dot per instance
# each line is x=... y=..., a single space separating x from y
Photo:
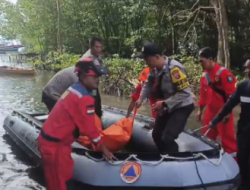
x=242 y=96
x=167 y=82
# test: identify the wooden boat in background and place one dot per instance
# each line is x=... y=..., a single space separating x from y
x=17 y=71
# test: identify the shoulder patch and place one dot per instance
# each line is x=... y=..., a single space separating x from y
x=230 y=79
x=179 y=78
x=203 y=74
x=176 y=73
x=65 y=94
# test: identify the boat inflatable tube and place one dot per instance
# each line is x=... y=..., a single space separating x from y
x=200 y=164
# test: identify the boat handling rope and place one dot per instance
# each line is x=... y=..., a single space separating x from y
x=217 y=162
x=202 y=128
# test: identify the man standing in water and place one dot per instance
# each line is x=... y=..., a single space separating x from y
x=242 y=96
x=66 y=77
x=167 y=81
x=221 y=83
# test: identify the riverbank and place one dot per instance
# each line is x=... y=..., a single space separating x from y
x=123 y=71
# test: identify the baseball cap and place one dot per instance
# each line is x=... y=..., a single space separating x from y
x=149 y=49
x=91 y=66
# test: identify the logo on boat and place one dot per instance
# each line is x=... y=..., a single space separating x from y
x=130 y=172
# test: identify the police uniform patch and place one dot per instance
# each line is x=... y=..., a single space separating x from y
x=176 y=74
x=179 y=78
x=230 y=79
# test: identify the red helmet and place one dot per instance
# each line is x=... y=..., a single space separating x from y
x=91 y=66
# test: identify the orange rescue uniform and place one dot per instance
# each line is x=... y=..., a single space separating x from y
x=73 y=112
x=215 y=88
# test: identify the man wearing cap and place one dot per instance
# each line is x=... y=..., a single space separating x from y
x=66 y=77
x=74 y=111
x=136 y=94
x=219 y=84
x=167 y=80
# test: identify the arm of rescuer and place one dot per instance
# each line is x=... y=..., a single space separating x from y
x=203 y=97
x=228 y=82
x=134 y=97
x=179 y=79
x=147 y=87
x=84 y=118
x=228 y=107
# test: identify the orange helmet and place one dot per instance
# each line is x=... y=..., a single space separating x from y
x=144 y=74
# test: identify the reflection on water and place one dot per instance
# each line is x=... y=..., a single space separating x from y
x=24 y=93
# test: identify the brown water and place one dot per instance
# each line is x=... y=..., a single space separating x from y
x=24 y=93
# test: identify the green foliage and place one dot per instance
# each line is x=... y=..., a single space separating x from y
x=122 y=71
x=54 y=61
x=177 y=27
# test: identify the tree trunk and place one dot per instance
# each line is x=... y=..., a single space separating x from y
x=223 y=55
x=224 y=27
x=59 y=40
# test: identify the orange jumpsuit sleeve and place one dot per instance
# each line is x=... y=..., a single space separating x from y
x=136 y=94
x=203 y=92
x=228 y=82
x=84 y=117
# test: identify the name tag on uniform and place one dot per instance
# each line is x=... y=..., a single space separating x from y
x=245 y=99
x=94 y=92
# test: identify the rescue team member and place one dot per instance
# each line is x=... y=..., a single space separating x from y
x=222 y=84
x=74 y=111
x=204 y=96
x=167 y=80
x=136 y=94
x=66 y=77
x=242 y=96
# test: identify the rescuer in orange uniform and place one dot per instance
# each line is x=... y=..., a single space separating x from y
x=73 y=114
x=136 y=94
x=217 y=85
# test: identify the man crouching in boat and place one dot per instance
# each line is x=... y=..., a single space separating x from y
x=167 y=80
x=73 y=113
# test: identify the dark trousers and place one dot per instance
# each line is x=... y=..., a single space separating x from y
x=168 y=126
x=49 y=102
x=98 y=104
x=243 y=156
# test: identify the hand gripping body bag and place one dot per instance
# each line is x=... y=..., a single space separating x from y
x=115 y=137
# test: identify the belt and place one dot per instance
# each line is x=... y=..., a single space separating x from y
x=49 y=138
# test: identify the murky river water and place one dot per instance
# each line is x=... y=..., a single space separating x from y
x=24 y=93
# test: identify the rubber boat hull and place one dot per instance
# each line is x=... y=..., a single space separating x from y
x=143 y=167
x=16 y=71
